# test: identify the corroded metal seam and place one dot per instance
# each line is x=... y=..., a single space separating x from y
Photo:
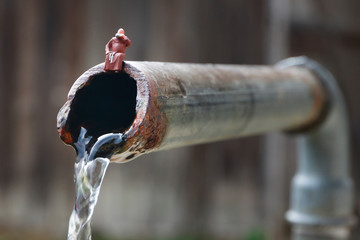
x=149 y=126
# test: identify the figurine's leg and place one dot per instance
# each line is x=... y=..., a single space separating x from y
x=119 y=61
x=107 y=66
x=121 y=57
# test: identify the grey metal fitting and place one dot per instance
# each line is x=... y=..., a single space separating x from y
x=322 y=194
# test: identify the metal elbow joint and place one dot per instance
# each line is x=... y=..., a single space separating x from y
x=322 y=194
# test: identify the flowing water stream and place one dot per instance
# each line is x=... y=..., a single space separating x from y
x=89 y=174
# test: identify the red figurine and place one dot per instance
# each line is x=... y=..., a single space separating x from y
x=115 y=51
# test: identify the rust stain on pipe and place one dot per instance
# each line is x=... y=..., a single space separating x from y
x=321 y=105
x=149 y=126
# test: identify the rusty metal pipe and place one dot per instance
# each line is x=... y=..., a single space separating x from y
x=185 y=104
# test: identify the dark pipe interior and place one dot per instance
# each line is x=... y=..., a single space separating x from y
x=105 y=104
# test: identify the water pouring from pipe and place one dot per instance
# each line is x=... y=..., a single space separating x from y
x=88 y=177
x=89 y=170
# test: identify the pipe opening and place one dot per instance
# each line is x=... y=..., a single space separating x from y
x=105 y=104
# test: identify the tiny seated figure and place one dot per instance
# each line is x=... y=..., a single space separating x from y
x=115 y=51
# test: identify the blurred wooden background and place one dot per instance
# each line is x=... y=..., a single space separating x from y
x=228 y=190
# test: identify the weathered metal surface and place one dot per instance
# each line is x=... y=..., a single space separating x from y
x=185 y=104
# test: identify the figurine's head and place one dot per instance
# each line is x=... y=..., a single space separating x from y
x=120 y=33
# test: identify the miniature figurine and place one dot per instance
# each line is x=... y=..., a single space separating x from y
x=115 y=51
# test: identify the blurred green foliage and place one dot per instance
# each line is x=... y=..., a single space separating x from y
x=254 y=234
